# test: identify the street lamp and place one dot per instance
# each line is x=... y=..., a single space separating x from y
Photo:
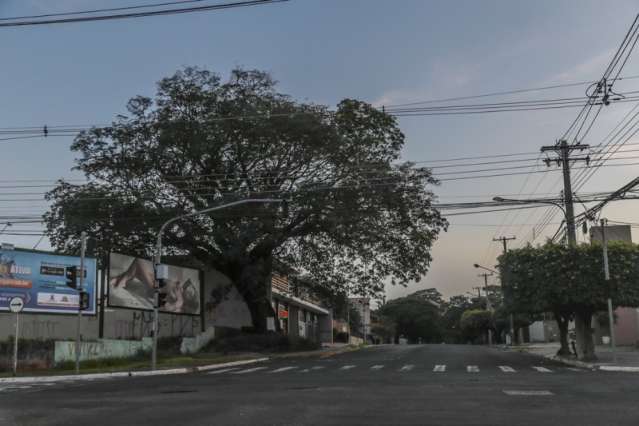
x=8 y=224
x=158 y=256
x=535 y=201
x=512 y=319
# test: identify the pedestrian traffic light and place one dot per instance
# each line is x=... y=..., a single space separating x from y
x=71 y=275
x=84 y=300
x=161 y=299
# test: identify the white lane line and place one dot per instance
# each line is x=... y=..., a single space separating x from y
x=506 y=369
x=542 y=369
x=306 y=370
x=250 y=370
x=224 y=370
x=347 y=367
x=317 y=367
x=575 y=369
x=528 y=392
x=472 y=369
x=377 y=367
x=280 y=370
x=440 y=368
x=407 y=367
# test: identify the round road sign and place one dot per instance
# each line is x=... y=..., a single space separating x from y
x=16 y=304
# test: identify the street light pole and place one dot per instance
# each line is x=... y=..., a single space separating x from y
x=158 y=260
x=604 y=241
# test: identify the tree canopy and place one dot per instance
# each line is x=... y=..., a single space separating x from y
x=415 y=317
x=355 y=217
x=569 y=281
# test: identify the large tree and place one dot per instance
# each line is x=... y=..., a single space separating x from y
x=415 y=317
x=355 y=217
x=569 y=282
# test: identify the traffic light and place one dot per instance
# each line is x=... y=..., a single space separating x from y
x=71 y=275
x=84 y=300
x=161 y=299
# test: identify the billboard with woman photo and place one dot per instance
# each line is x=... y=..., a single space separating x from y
x=131 y=281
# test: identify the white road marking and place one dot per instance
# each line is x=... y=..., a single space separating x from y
x=528 y=392
x=250 y=370
x=506 y=369
x=407 y=367
x=575 y=369
x=306 y=370
x=347 y=367
x=317 y=367
x=377 y=367
x=224 y=370
x=542 y=369
x=440 y=368
x=279 y=370
x=472 y=369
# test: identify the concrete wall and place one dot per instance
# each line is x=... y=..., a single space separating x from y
x=102 y=348
x=537 y=331
x=626 y=326
x=223 y=307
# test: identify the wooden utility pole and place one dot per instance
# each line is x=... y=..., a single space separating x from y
x=563 y=151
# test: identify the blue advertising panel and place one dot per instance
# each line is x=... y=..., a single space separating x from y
x=40 y=280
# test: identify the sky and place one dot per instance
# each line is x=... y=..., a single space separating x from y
x=380 y=51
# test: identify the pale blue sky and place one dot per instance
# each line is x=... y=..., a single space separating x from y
x=381 y=51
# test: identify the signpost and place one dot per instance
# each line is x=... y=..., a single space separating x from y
x=15 y=305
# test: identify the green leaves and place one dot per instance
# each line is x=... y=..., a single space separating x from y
x=554 y=277
x=355 y=219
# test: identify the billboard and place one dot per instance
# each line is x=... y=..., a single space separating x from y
x=39 y=278
x=131 y=282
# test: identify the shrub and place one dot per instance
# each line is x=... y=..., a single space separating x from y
x=270 y=342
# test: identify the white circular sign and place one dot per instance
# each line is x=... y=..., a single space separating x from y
x=16 y=304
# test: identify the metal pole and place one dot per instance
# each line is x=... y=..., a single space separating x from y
x=488 y=307
x=15 y=345
x=348 y=320
x=156 y=312
x=83 y=246
x=158 y=258
x=611 y=318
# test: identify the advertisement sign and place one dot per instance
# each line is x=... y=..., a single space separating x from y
x=39 y=279
x=131 y=282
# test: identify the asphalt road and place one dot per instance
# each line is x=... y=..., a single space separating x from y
x=420 y=384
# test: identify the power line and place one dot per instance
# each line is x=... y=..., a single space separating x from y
x=163 y=12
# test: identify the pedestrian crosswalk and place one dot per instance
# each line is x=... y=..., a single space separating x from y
x=405 y=368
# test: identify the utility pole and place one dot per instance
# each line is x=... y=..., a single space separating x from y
x=604 y=241
x=504 y=241
x=488 y=305
x=83 y=247
x=563 y=150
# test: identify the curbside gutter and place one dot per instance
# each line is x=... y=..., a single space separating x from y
x=95 y=376
x=577 y=363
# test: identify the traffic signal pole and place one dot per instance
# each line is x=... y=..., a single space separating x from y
x=83 y=246
x=504 y=241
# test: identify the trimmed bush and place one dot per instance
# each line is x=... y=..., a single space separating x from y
x=270 y=342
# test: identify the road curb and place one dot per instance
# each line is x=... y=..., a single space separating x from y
x=619 y=368
x=572 y=362
x=94 y=376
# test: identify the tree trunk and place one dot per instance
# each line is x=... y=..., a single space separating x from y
x=253 y=281
x=562 y=323
x=585 y=341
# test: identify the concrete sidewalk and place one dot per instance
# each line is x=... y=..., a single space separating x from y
x=624 y=358
x=256 y=358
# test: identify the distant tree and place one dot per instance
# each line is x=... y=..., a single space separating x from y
x=414 y=317
x=430 y=294
x=569 y=282
x=355 y=218
x=475 y=323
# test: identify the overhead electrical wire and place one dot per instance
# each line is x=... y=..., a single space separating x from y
x=7 y=23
